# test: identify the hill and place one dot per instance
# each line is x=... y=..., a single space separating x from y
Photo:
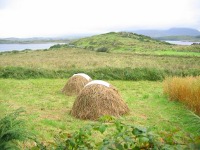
x=169 y=32
x=120 y=41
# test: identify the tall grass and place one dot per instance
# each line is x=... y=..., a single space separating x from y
x=186 y=90
x=68 y=58
x=136 y=74
x=106 y=73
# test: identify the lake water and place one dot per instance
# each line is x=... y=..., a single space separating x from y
x=11 y=47
x=181 y=42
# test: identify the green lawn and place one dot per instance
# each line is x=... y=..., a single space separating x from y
x=47 y=109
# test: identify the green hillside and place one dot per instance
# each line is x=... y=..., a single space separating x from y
x=121 y=41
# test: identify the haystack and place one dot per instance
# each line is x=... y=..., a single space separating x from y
x=98 y=98
x=75 y=84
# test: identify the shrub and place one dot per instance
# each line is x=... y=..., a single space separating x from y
x=57 y=46
x=186 y=90
x=90 y=47
x=102 y=49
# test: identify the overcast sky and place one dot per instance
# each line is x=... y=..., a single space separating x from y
x=35 y=18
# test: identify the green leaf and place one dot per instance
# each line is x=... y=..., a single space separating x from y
x=126 y=146
x=119 y=146
x=102 y=128
x=144 y=140
x=136 y=131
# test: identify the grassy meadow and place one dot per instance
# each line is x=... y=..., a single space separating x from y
x=47 y=109
x=63 y=62
x=136 y=65
x=76 y=58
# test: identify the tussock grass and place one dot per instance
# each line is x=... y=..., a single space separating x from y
x=186 y=90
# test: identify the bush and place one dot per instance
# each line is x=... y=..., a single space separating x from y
x=57 y=46
x=90 y=47
x=102 y=49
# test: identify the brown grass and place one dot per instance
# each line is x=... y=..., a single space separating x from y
x=97 y=100
x=64 y=59
x=74 y=85
x=186 y=90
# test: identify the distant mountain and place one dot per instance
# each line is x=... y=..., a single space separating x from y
x=179 y=38
x=169 y=32
x=34 y=40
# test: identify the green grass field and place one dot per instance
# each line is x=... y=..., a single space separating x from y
x=134 y=64
x=47 y=109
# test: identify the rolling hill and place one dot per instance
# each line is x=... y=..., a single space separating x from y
x=121 y=41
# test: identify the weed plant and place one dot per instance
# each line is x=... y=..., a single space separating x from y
x=112 y=135
x=12 y=130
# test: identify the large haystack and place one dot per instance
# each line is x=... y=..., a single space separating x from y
x=75 y=84
x=98 y=98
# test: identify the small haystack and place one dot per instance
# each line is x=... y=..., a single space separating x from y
x=98 y=98
x=75 y=84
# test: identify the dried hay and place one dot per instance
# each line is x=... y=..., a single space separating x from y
x=96 y=100
x=75 y=84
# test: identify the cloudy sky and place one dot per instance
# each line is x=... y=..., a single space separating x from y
x=35 y=18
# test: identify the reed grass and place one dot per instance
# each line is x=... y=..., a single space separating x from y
x=185 y=90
